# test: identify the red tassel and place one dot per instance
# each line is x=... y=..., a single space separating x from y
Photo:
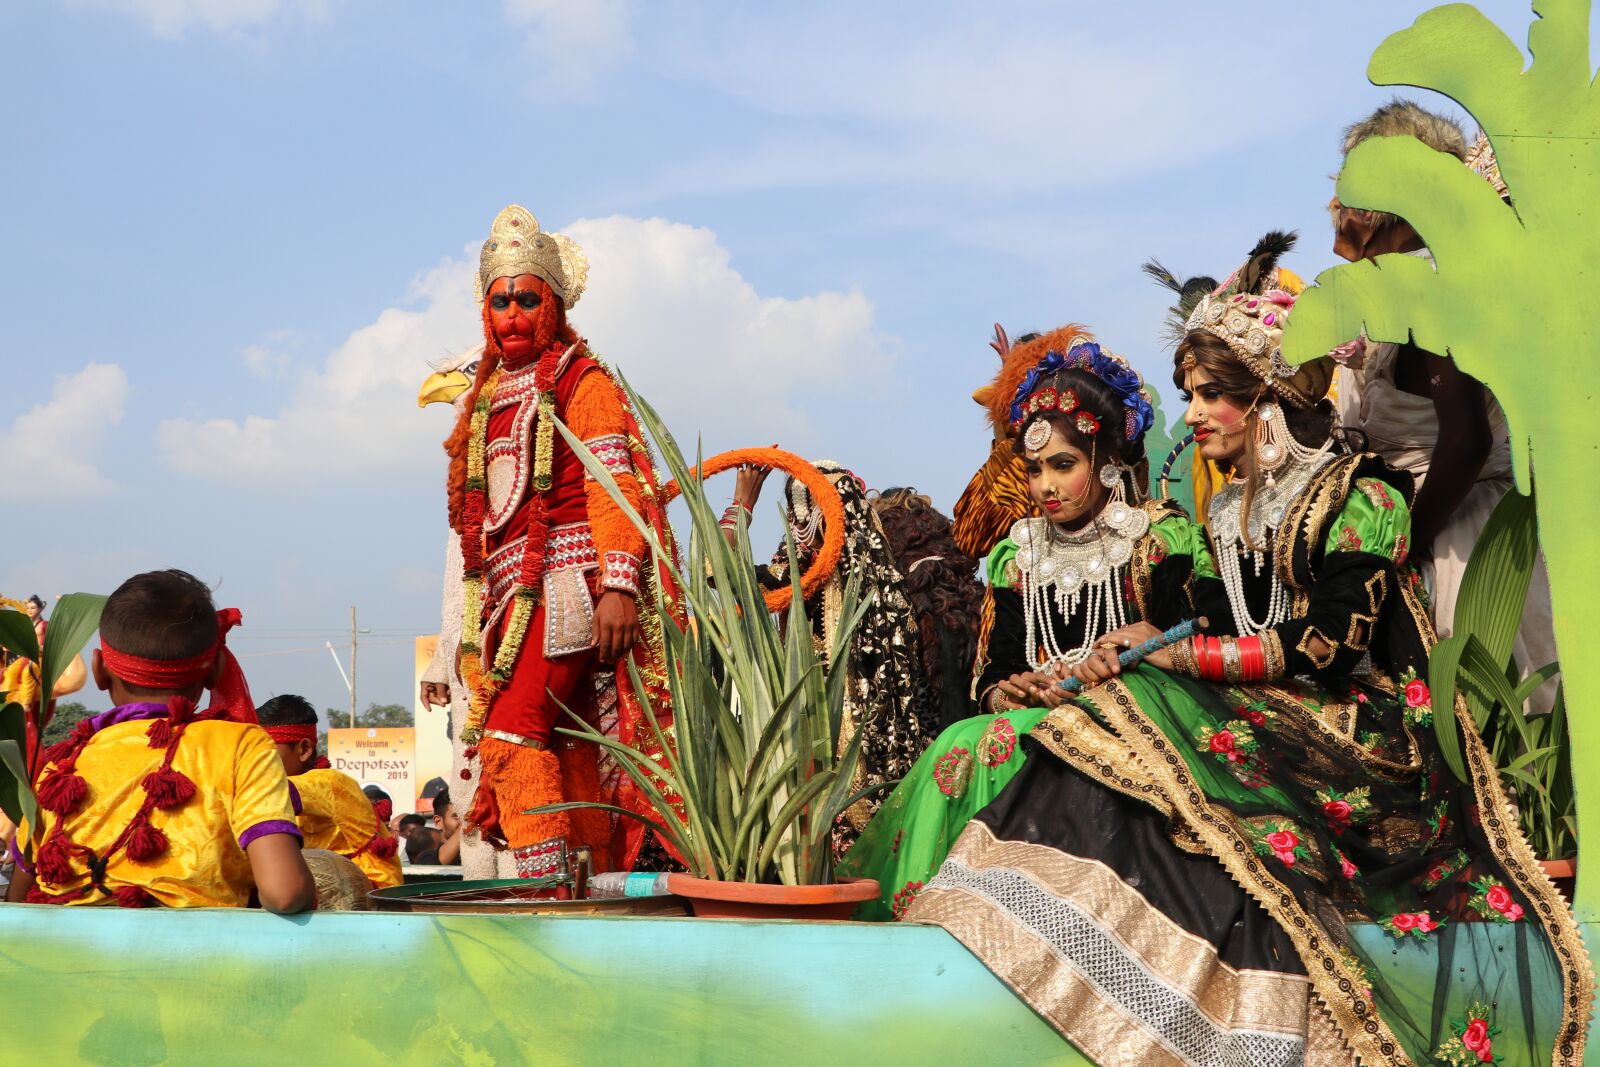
x=145 y=842
x=168 y=788
x=63 y=792
x=321 y=764
x=159 y=732
x=180 y=709
x=383 y=847
x=132 y=896
x=39 y=896
x=65 y=752
x=54 y=862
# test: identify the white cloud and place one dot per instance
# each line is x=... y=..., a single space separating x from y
x=170 y=18
x=355 y=413
x=709 y=351
x=50 y=449
x=576 y=43
x=664 y=303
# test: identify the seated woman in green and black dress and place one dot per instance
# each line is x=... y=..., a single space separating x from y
x=1096 y=559
x=1173 y=874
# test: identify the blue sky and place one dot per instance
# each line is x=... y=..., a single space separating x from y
x=237 y=230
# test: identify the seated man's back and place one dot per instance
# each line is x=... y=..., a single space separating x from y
x=176 y=831
x=336 y=815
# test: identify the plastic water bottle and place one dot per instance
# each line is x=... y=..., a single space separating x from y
x=623 y=884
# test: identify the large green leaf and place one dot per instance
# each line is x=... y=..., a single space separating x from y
x=16 y=797
x=17 y=634
x=75 y=619
x=1494 y=588
x=1444 y=665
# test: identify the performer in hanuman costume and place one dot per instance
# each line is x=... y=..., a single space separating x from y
x=551 y=566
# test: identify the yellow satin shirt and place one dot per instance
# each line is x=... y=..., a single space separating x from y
x=241 y=793
x=336 y=815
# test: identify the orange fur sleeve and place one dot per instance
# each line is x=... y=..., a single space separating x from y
x=595 y=415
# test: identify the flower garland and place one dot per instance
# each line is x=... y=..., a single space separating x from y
x=484 y=680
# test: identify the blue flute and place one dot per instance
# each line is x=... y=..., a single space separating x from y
x=1128 y=657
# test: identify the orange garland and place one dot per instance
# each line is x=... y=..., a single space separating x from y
x=823 y=495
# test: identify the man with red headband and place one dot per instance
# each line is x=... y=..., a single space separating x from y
x=552 y=566
x=155 y=802
x=329 y=805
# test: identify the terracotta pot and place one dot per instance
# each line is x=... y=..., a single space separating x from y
x=1564 y=873
x=751 y=900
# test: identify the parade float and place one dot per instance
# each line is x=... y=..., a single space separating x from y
x=1509 y=300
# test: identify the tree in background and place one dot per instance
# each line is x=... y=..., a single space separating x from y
x=69 y=713
x=375 y=715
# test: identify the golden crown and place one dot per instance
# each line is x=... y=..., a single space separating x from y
x=516 y=246
x=1252 y=326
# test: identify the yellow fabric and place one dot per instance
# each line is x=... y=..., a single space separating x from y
x=336 y=815
x=20 y=682
x=239 y=784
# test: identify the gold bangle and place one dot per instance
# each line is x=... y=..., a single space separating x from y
x=1183 y=658
x=1272 y=654
x=1230 y=659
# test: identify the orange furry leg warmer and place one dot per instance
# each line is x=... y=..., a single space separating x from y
x=515 y=778
x=580 y=780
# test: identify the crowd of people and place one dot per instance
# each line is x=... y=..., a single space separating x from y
x=1166 y=863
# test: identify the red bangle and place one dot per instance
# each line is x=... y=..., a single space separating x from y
x=1211 y=659
x=1252 y=660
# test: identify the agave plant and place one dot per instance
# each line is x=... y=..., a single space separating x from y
x=1532 y=753
x=754 y=777
x=74 y=621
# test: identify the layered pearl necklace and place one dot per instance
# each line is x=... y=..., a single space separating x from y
x=1063 y=572
x=1266 y=514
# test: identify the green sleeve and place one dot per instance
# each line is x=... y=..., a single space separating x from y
x=1184 y=537
x=1375 y=519
x=997 y=568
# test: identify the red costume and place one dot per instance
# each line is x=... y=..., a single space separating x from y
x=552 y=564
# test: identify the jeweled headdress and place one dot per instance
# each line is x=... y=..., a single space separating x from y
x=516 y=246
x=1249 y=312
x=1087 y=356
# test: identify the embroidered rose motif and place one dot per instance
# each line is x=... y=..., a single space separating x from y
x=998 y=743
x=903 y=899
x=1494 y=901
x=1348 y=870
x=1222 y=741
x=894 y=846
x=1445 y=868
x=1255 y=712
x=952 y=771
x=1343 y=809
x=1419 y=701
x=1402 y=548
x=1415 y=924
x=1279 y=840
x=1473 y=1043
x=1348 y=540
x=1158 y=551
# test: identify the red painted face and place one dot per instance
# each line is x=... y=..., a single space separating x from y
x=524 y=315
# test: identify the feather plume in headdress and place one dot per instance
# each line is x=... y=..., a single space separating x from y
x=1256 y=273
x=1189 y=292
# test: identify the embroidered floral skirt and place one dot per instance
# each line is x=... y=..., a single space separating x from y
x=960 y=773
x=1189 y=873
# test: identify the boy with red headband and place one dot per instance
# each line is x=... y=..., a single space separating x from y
x=332 y=810
x=154 y=802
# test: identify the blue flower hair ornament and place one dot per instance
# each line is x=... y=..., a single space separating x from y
x=1087 y=356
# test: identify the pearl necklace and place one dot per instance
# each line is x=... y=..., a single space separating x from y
x=1266 y=513
x=1062 y=572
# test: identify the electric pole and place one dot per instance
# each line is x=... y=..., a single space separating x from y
x=352 y=666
